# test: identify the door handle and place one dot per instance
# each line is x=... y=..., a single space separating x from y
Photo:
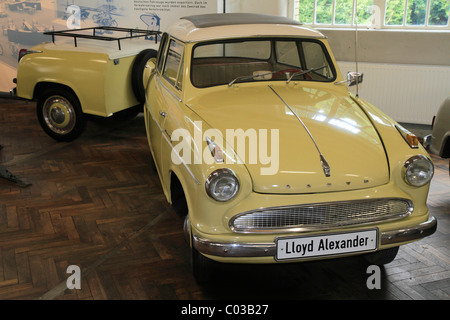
x=163 y=114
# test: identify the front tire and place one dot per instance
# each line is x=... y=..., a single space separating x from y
x=60 y=115
x=201 y=266
x=382 y=257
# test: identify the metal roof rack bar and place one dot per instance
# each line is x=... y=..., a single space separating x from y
x=75 y=34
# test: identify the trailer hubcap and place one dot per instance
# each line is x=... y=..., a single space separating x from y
x=59 y=115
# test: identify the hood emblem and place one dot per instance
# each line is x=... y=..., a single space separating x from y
x=323 y=162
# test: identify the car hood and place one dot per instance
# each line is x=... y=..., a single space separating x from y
x=282 y=154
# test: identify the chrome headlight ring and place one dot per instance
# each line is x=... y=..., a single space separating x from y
x=418 y=170
x=222 y=185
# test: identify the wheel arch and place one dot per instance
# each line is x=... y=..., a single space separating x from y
x=445 y=151
x=180 y=205
x=178 y=197
x=42 y=86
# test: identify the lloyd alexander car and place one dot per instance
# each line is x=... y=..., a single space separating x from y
x=259 y=143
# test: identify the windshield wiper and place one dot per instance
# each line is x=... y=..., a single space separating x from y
x=295 y=74
x=299 y=73
x=249 y=77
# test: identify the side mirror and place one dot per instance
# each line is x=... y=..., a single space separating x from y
x=354 y=78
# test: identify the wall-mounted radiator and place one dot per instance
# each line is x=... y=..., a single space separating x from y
x=407 y=93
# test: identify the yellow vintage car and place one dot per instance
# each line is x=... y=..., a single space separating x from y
x=97 y=71
x=259 y=143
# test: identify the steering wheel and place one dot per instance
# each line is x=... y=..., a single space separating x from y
x=276 y=74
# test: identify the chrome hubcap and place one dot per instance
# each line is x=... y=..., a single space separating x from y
x=59 y=115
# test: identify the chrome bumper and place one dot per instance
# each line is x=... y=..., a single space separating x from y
x=13 y=91
x=12 y=94
x=427 y=141
x=269 y=249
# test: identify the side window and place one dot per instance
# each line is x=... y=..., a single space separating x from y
x=173 y=63
x=161 y=52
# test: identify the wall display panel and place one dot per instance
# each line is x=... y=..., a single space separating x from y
x=23 y=22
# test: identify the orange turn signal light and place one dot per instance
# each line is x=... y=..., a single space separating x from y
x=409 y=137
x=412 y=140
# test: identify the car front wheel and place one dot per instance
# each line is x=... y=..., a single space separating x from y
x=202 y=267
x=60 y=115
x=382 y=257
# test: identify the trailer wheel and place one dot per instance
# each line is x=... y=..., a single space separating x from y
x=139 y=74
x=60 y=115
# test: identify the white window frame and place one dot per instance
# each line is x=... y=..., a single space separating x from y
x=378 y=18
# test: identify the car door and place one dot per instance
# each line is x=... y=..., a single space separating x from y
x=169 y=117
x=156 y=107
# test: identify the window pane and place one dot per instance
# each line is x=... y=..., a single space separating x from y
x=306 y=11
x=395 y=10
x=174 y=54
x=315 y=58
x=416 y=11
x=287 y=53
x=439 y=12
x=365 y=8
x=343 y=12
x=251 y=49
x=324 y=11
x=210 y=68
x=247 y=49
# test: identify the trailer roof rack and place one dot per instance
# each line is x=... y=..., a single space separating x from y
x=130 y=34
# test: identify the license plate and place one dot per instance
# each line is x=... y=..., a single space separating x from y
x=326 y=245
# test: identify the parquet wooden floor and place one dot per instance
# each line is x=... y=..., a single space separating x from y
x=97 y=203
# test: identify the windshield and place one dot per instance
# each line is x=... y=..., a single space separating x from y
x=244 y=60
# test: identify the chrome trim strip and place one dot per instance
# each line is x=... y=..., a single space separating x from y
x=164 y=134
x=224 y=249
x=170 y=91
x=323 y=162
x=181 y=160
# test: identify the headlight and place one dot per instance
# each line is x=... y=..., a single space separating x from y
x=418 y=170
x=222 y=185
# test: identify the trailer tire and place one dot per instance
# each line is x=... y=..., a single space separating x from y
x=60 y=115
x=138 y=76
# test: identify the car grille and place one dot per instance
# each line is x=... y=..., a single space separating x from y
x=320 y=215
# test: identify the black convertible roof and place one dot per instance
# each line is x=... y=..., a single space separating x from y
x=224 y=19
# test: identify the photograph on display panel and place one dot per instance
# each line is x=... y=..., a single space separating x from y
x=24 y=23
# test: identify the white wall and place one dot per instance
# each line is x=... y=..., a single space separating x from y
x=379 y=46
x=377 y=49
x=387 y=46
x=276 y=7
